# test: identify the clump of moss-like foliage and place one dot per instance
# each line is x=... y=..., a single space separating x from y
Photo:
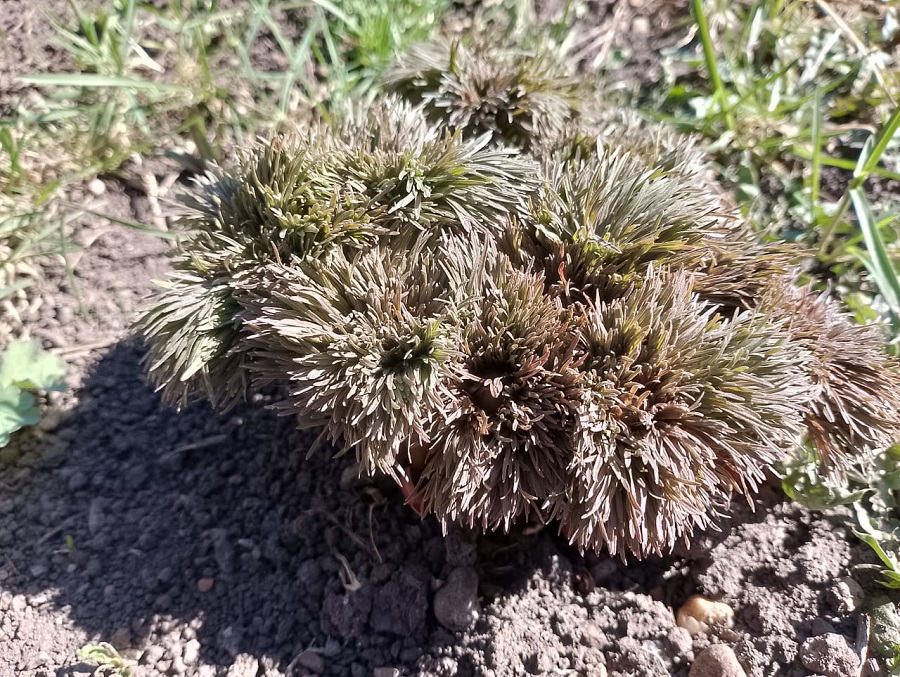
x=517 y=304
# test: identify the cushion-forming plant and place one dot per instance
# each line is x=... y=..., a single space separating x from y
x=518 y=304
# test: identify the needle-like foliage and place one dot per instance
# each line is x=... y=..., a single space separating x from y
x=681 y=409
x=369 y=346
x=517 y=95
x=854 y=402
x=606 y=214
x=195 y=340
x=385 y=177
x=518 y=305
x=504 y=449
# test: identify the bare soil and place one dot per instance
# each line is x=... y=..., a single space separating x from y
x=207 y=544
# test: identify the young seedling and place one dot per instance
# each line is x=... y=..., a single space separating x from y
x=107 y=659
x=25 y=372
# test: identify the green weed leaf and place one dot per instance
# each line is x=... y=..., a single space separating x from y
x=17 y=410
x=26 y=367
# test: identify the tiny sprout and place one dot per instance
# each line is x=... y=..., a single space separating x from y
x=107 y=659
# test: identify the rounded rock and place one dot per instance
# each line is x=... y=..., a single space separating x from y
x=699 y=614
x=244 y=665
x=717 y=660
x=845 y=596
x=96 y=187
x=312 y=661
x=456 y=604
x=191 y=652
x=830 y=655
x=885 y=627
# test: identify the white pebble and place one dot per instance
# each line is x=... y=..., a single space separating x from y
x=698 y=614
x=97 y=187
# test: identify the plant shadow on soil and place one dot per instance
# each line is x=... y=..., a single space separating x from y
x=150 y=527
x=140 y=515
x=138 y=518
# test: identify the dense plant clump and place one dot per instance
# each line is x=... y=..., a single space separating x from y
x=517 y=304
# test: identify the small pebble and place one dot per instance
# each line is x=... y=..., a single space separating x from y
x=385 y=672
x=244 y=665
x=830 y=655
x=77 y=481
x=205 y=584
x=717 y=660
x=97 y=187
x=41 y=659
x=312 y=661
x=456 y=604
x=698 y=615
x=50 y=421
x=446 y=667
x=845 y=596
x=681 y=641
x=38 y=600
x=152 y=655
x=191 y=652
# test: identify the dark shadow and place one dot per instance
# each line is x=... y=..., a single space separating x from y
x=143 y=514
x=132 y=515
x=133 y=520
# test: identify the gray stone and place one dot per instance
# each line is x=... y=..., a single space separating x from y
x=885 y=626
x=446 y=667
x=228 y=639
x=717 y=660
x=845 y=596
x=152 y=654
x=312 y=661
x=385 y=672
x=244 y=665
x=830 y=655
x=456 y=604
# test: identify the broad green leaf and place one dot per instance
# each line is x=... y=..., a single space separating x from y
x=26 y=366
x=17 y=410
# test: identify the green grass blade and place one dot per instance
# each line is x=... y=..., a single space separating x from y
x=95 y=80
x=840 y=163
x=880 y=265
x=711 y=63
x=881 y=143
x=338 y=13
x=816 y=177
x=11 y=289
